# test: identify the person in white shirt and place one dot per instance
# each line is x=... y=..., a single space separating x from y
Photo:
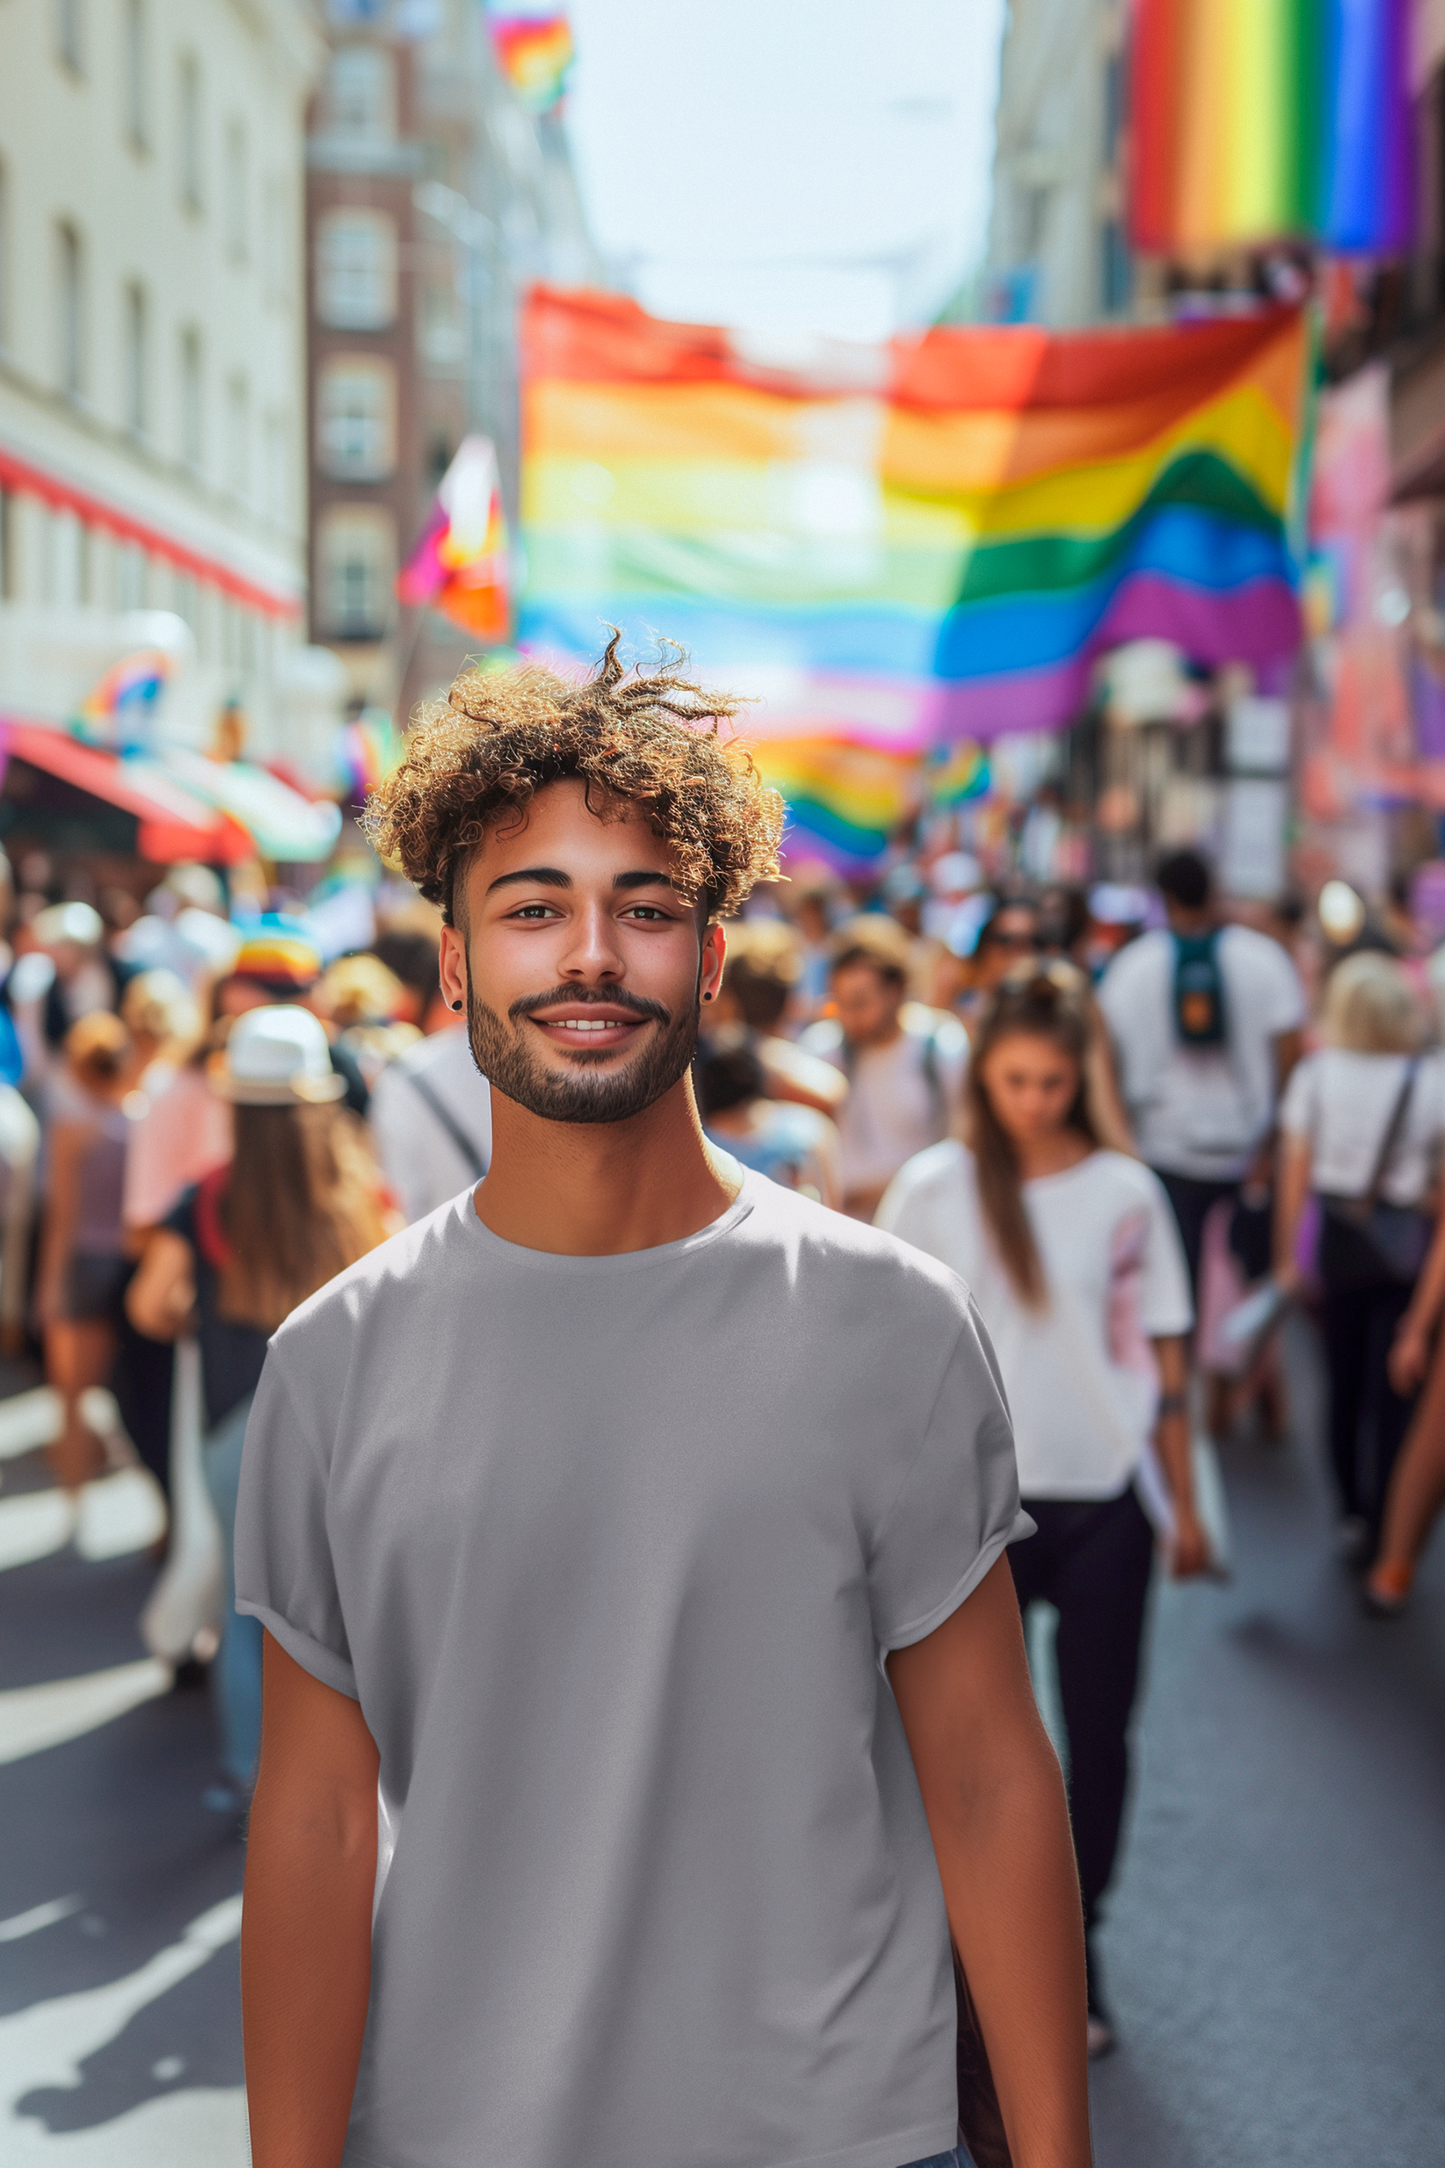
x=1363 y=1120
x=904 y=1063
x=1073 y=1258
x=431 y=1121
x=1206 y=1022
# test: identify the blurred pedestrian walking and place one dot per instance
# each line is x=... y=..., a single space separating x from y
x=1073 y=1257
x=83 y=1266
x=1206 y=1022
x=431 y=1121
x=1363 y=1122
x=904 y=1063
x=300 y=1200
x=762 y=970
x=1417 y=1488
x=788 y=1142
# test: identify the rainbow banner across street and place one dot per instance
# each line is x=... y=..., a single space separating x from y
x=912 y=545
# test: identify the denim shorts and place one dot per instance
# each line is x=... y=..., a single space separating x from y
x=960 y=2157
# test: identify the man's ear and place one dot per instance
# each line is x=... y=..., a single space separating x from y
x=452 y=967
x=714 y=949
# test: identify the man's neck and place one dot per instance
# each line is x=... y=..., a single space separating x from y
x=597 y=1189
x=1191 y=923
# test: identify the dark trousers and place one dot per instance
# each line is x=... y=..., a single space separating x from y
x=1091 y=1560
x=1193 y=1202
x=1368 y=1419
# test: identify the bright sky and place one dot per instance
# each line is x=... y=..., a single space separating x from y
x=796 y=167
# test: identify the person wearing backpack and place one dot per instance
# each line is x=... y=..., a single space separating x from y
x=1206 y=1023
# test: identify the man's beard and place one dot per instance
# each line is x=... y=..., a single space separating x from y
x=585 y=1091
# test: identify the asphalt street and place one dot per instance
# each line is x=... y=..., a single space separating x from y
x=1273 y=1949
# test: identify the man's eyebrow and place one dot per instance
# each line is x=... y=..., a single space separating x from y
x=531 y=877
x=554 y=877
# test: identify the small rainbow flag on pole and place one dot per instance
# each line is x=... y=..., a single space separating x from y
x=1252 y=120
x=122 y=702
x=532 y=40
x=460 y=565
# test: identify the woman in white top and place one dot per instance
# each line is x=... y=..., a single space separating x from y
x=1370 y=1087
x=1073 y=1257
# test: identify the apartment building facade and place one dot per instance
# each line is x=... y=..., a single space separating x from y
x=152 y=325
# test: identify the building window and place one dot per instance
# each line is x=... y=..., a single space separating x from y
x=357 y=570
x=191 y=403
x=356 y=418
x=134 y=74
x=70 y=34
x=238 y=233
x=70 y=328
x=356 y=269
x=238 y=436
x=136 y=342
x=359 y=97
x=188 y=131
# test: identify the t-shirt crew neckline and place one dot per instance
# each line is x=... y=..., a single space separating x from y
x=1062 y=1174
x=519 y=1257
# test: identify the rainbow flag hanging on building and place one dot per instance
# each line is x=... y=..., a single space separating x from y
x=1256 y=119
x=123 y=701
x=912 y=544
x=532 y=40
x=460 y=564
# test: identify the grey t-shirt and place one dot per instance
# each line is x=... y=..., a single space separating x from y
x=609 y=1549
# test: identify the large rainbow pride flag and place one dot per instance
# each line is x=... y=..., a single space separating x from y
x=914 y=544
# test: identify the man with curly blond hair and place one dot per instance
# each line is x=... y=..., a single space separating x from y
x=629 y=1536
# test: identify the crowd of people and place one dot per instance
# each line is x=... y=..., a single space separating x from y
x=1118 y=1116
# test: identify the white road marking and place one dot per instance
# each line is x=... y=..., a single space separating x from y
x=112 y=1517
x=191 y=2129
x=33 y=1718
x=28 y=1420
x=30 y=1923
x=46 y=2045
x=119 y=1514
x=33 y=1525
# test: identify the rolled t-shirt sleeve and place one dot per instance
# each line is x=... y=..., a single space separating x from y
x=957 y=1506
x=285 y=1574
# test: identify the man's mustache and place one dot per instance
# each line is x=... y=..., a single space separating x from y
x=580 y=997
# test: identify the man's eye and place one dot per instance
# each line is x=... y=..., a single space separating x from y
x=648 y=910
x=535 y=910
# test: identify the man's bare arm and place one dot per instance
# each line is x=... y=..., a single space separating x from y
x=306 y=1925
x=994 y=1796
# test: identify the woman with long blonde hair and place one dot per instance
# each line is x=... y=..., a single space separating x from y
x=300 y=1201
x=1362 y=1124
x=1072 y=1254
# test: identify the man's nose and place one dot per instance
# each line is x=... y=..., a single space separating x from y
x=592 y=951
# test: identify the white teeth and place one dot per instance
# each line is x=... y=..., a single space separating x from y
x=587 y=1023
